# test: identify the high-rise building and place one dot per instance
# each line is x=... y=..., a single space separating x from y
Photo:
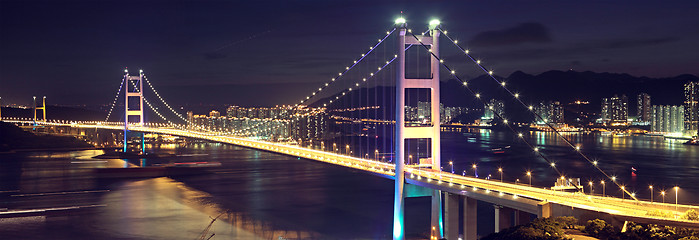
x=492 y=107
x=190 y=117
x=550 y=112
x=691 y=108
x=605 y=111
x=411 y=114
x=620 y=109
x=214 y=114
x=447 y=114
x=424 y=111
x=232 y=111
x=615 y=108
x=667 y=119
x=643 y=108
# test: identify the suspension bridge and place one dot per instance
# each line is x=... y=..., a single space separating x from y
x=411 y=82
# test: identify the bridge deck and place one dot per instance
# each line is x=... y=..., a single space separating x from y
x=518 y=196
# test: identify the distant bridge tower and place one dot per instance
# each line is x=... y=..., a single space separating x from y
x=403 y=132
x=137 y=93
x=128 y=82
x=42 y=108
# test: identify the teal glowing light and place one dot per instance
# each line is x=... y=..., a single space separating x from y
x=397 y=229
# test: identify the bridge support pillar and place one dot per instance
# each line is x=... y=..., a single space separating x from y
x=470 y=218
x=451 y=216
x=399 y=140
x=503 y=217
x=544 y=210
x=522 y=217
x=437 y=222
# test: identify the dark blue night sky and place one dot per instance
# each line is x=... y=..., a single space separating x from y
x=75 y=51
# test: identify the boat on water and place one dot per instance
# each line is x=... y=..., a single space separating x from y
x=499 y=150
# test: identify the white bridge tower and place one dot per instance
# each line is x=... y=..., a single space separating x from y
x=403 y=132
x=138 y=92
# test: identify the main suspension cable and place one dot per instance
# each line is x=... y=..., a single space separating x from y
x=116 y=98
x=548 y=124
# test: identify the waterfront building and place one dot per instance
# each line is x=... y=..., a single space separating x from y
x=551 y=112
x=424 y=112
x=604 y=112
x=279 y=123
x=667 y=119
x=615 y=109
x=232 y=111
x=411 y=114
x=643 y=108
x=447 y=114
x=493 y=107
x=691 y=108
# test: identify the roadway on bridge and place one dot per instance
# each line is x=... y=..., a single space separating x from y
x=452 y=182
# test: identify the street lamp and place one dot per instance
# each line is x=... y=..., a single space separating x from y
x=410 y=159
x=591 y=191
x=651 y=193
x=376 y=154
x=500 y=170
x=529 y=174
x=604 y=193
x=677 y=189
x=622 y=192
x=475 y=172
x=347 y=149
x=452 y=166
x=663 y=194
x=335 y=147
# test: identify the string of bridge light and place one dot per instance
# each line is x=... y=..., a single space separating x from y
x=347 y=69
x=371 y=75
x=594 y=163
x=355 y=109
x=116 y=98
x=163 y=100
x=148 y=103
x=478 y=97
x=168 y=105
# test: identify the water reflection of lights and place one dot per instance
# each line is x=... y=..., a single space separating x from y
x=150 y=207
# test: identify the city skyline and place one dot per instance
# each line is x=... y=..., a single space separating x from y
x=503 y=119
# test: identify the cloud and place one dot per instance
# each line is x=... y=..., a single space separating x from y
x=522 y=33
